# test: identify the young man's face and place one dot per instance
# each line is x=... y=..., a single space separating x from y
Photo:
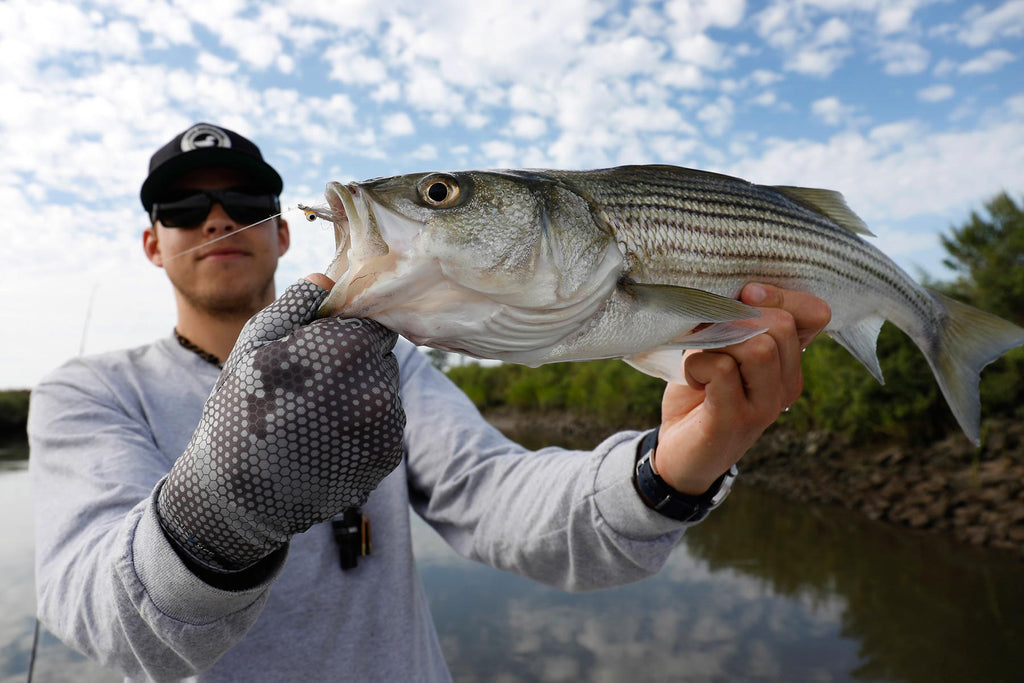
x=233 y=275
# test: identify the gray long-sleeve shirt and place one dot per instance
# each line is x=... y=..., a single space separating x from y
x=105 y=430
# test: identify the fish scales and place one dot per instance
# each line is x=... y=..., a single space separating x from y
x=700 y=220
x=634 y=262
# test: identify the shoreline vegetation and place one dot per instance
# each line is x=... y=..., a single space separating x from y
x=13 y=413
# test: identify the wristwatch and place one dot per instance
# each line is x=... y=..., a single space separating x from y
x=661 y=497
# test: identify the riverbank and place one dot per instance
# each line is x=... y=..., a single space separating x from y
x=948 y=487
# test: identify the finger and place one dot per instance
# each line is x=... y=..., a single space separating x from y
x=786 y=355
x=810 y=313
x=761 y=371
x=718 y=373
x=320 y=280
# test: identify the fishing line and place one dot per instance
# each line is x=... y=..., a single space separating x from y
x=312 y=213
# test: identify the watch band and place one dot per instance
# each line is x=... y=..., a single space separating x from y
x=661 y=497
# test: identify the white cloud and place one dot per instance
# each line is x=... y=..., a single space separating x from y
x=777 y=26
x=399 y=124
x=765 y=77
x=834 y=30
x=213 y=64
x=904 y=58
x=350 y=66
x=991 y=61
x=528 y=127
x=903 y=169
x=1015 y=105
x=833 y=112
x=816 y=37
x=981 y=26
x=426 y=152
x=820 y=62
x=167 y=25
x=765 y=99
x=700 y=50
x=936 y=93
x=894 y=18
x=501 y=153
x=717 y=116
x=944 y=67
x=698 y=15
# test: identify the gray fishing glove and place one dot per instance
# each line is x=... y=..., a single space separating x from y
x=304 y=422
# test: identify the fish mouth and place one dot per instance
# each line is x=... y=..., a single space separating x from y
x=342 y=204
x=361 y=254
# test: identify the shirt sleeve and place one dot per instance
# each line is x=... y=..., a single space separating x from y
x=95 y=471
x=569 y=519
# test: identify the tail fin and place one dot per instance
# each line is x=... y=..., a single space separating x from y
x=969 y=340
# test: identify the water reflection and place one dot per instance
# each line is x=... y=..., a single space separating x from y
x=765 y=590
x=922 y=609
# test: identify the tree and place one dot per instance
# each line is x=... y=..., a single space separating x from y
x=988 y=254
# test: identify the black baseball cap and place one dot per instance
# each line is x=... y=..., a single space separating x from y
x=205 y=145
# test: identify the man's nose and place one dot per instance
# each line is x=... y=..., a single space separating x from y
x=218 y=220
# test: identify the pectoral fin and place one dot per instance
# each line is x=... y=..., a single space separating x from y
x=716 y=336
x=688 y=303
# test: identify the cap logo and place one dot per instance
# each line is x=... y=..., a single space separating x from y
x=204 y=137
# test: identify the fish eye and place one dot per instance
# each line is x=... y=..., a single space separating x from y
x=439 y=190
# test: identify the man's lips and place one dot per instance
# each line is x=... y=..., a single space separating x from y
x=223 y=254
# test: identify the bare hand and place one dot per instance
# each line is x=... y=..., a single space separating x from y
x=734 y=393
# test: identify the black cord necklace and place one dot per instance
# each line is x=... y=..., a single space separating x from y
x=205 y=355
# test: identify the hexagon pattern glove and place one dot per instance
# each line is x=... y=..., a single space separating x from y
x=303 y=422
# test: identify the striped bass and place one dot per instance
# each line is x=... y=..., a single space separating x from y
x=634 y=262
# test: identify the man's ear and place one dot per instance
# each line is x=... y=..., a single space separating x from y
x=284 y=237
x=151 y=245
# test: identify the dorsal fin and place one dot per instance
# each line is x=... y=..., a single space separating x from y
x=828 y=203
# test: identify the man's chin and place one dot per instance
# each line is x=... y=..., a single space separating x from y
x=232 y=302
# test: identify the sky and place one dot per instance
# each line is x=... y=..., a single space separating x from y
x=913 y=109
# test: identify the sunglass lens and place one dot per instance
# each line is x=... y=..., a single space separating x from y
x=249 y=208
x=187 y=212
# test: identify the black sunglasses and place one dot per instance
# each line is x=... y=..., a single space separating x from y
x=191 y=208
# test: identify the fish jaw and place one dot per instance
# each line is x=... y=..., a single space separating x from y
x=362 y=256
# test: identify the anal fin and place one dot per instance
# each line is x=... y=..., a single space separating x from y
x=861 y=341
x=666 y=364
x=666 y=361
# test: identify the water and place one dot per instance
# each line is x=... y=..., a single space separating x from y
x=765 y=589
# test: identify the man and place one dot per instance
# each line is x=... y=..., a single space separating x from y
x=215 y=536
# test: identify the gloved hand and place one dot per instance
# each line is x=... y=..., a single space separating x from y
x=304 y=421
